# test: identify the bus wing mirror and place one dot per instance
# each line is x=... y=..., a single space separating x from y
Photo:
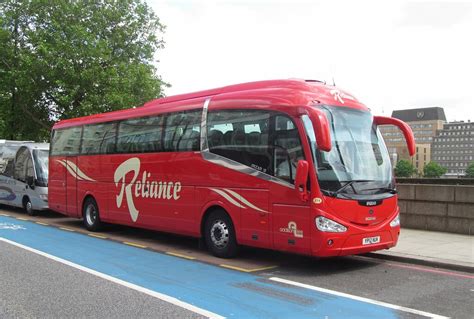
x=321 y=128
x=301 y=180
x=404 y=127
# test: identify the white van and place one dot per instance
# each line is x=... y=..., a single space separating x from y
x=24 y=175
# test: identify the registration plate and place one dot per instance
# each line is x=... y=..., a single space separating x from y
x=370 y=240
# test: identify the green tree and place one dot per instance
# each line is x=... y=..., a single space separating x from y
x=404 y=169
x=433 y=169
x=470 y=170
x=63 y=59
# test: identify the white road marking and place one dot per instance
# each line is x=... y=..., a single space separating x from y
x=367 y=300
x=11 y=226
x=144 y=290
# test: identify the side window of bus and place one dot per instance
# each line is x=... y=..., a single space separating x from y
x=30 y=172
x=22 y=162
x=140 y=135
x=287 y=148
x=99 y=138
x=7 y=168
x=242 y=136
x=66 y=141
x=182 y=131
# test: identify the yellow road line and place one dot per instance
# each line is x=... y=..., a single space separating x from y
x=42 y=223
x=134 y=245
x=234 y=268
x=263 y=268
x=21 y=218
x=180 y=255
x=98 y=236
x=68 y=229
x=247 y=270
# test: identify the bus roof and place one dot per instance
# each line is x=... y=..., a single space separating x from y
x=8 y=149
x=292 y=92
x=36 y=146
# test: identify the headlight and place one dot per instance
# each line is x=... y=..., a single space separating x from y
x=327 y=225
x=396 y=221
x=44 y=197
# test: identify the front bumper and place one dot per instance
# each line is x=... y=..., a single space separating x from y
x=350 y=243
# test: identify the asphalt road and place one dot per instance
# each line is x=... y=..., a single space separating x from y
x=33 y=285
x=36 y=287
x=428 y=289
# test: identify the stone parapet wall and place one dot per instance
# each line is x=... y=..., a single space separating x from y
x=445 y=208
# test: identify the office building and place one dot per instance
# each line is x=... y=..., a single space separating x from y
x=453 y=148
x=425 y=122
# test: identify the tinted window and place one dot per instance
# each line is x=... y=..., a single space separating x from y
x=140 y=135
x=66 y=141
x=182 y=131
x=99 y=138
x=287 y=148
x=23 y=164
x=241 y=136
x=6 y=166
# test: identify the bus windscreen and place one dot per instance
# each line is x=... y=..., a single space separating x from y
x=41 y=158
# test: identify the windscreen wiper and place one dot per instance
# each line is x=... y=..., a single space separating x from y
x=384 y=189
x=349 y=183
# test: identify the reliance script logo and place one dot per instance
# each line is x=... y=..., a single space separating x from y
x=144 y=188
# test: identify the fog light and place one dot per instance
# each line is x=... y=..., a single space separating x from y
x=330 y=242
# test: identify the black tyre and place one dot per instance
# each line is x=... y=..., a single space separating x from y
x=219 y=234
x=90 y=214
x=28 y=206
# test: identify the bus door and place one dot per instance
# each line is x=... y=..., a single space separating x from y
x=65 y=145
x=71 y=187
x=57 y=184
x=23 y=174
x=291 y=217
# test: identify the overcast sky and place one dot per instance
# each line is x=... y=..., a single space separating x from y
x=389 y=54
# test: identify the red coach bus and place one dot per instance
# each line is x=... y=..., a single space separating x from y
x=289 y=165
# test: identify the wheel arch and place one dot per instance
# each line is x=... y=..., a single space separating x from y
x=86 y=197
x=213 y=206
x=24 y=199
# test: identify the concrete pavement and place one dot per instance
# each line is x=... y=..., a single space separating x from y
x=439 y=249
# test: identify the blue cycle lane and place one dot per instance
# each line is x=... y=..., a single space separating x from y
x=224 y=292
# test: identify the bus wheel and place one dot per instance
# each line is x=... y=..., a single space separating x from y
x=220 y=235
x=28 y=206
x=90 y=213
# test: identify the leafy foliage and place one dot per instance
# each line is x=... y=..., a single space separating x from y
x=433 y=169
x=470 y=170
x=404 y=169
x=63 y=59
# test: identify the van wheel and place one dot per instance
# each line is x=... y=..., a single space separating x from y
x=28 y=206
x=90 y=213
x=220 y=235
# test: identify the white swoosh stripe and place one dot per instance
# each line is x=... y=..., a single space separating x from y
x=243 y=200
x=226 y=196
x=69 y=169
x=79 y=172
